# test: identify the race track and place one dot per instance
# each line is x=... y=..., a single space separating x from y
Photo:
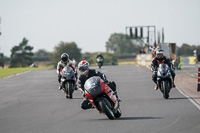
x=32 y=103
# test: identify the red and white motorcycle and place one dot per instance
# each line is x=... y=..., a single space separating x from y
x=102 y=97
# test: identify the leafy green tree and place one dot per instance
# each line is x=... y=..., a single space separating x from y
x=187 y=50
x=21 y=56
x=2 y=60
x=41 y=55
x=119 y=44
x=69 y=48
x=86 y=56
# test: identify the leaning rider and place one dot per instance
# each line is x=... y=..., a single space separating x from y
x=86 y=73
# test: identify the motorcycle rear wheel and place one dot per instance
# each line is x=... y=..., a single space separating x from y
x=106 y=109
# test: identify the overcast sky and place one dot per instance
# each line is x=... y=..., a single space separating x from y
x=89 y=23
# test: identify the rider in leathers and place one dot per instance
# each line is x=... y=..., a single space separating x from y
x=65 y=61
x=86 y=73
x=101 y=57
x=161 y=59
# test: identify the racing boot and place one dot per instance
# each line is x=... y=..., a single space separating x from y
x=75 y=87
x=85 y=104
x=60 y=87
x=173 y=85
x=156 y=87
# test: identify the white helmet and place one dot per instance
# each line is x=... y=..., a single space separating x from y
x=83 y=67
x=160 y=53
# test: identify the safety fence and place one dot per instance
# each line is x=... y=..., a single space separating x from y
x=188 y=60
x=146 y=60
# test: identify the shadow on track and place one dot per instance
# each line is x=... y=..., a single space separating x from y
x=183 y=98
x=75 y=98
x=133 y=118
x=138 y=118
x=177 y=98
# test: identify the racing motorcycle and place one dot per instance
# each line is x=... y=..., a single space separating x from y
x=102 y=97
x=99 y=62
x=164 y=79
x=68 y=81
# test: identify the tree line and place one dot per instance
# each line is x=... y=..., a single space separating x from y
x=117 y=47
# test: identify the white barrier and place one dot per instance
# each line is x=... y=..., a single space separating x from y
x=144 y=59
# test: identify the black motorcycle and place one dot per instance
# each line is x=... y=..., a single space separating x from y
x=68 y=81
x=99 y=62
x=164 y=79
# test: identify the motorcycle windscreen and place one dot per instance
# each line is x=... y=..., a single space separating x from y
x=99 y=59
x=67 y=72
x=163 y=70
x=93 y=86
x=164 y=67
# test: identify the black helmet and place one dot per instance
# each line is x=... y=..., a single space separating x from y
x=64 y=57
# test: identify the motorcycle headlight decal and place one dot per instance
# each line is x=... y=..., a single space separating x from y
x=92 y=85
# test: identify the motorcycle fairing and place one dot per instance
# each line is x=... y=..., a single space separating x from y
x=96 y=90
x=92 y=86
x=68 y=73
x=163 y=71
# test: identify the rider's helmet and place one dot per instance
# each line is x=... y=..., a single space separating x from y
x=64 y=57
x=160 y=53
x=83 y=67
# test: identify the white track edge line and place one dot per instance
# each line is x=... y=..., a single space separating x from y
x=190 y=98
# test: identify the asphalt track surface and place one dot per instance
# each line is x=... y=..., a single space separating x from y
x=32 y=103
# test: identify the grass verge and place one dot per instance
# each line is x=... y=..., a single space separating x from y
x=13 y=71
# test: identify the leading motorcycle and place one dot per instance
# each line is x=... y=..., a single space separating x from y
x=102 y=97
x=68 y=81
x=164 y=79
x=99 y=62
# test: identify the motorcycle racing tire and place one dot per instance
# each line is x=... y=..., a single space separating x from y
x=99 y=64
x=106 y=109
x=166 y=89
x=69 y=89
x=118 y=113
x=161 y=87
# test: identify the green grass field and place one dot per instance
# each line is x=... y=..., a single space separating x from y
x=13 y=71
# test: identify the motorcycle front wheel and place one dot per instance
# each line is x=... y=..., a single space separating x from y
x=166 y=89
x=106 y=109
x=118 y=113
x=69 y=90
x=99 y=64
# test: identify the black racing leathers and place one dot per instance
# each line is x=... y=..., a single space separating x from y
x=155 y=63
x=91 y=73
